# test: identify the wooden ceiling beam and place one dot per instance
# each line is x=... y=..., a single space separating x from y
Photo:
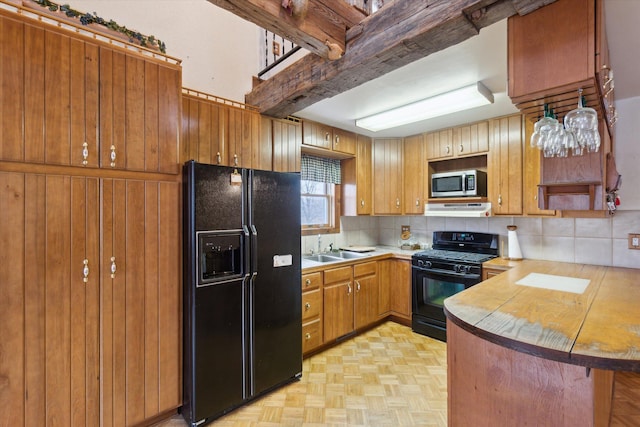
x=400 y=33
x=319 y=26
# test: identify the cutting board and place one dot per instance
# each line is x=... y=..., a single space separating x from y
x=358 y=248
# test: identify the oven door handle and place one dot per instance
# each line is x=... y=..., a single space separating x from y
x=448 y=273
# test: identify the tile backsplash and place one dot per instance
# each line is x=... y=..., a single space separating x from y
x=601 y=241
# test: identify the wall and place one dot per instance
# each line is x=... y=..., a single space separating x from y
x=218 y=49
x=627 y=150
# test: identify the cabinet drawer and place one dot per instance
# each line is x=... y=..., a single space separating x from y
x=365 y=269
x=336 y=275
x=311 y=281
x=311 y=335
x=311 y=304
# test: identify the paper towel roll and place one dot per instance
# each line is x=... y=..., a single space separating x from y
x=514 y=246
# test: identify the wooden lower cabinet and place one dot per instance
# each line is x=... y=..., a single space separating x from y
x=312 y=302
x=338 y=302
x=365 y=278
x=395 y=289
x=80 y=347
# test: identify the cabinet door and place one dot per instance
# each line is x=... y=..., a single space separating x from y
x=203 y=131
x=387 y=176
x=12 y=75
x=400 y=289
x=140 y=300
x=344 y=141
x=243 y=136
x=338 y=310
x=439 y=144
x=366 y=300
x=363 y=175
x=139 y=113
x=317 y=135
x=471 y=139
x=414 y=175
x=287 y=140
x=504 y=169
x=385 y=275
x=49 y=311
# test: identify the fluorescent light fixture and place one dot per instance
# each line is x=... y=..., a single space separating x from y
x=461 y=99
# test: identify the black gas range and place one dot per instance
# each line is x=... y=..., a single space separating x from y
x=454 y=264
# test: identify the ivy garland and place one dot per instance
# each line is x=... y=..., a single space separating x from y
x=93 y=18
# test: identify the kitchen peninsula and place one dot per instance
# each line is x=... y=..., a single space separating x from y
x=539 y=345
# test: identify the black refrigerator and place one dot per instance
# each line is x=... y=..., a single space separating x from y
x=242 y=293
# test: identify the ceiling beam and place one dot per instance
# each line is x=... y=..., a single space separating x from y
x=400 y=33
x=317 y=25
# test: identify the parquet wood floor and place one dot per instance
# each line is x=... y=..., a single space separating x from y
x=388 y=376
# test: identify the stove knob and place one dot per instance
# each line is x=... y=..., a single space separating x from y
x=420 y=263
x=457 y=268
x=467 y=269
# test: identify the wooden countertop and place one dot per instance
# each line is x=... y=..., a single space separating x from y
x=599 y=328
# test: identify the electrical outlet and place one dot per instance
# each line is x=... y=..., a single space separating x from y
x=634 y=240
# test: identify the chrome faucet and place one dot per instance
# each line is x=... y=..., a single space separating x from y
x=319 y=243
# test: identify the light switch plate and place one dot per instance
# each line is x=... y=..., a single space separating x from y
x=634 y=240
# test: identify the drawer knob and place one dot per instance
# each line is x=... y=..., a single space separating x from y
x=307 y=336
x=307 y=282
x=307 y=306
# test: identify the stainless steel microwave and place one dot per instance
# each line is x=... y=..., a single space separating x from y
x=469 y=183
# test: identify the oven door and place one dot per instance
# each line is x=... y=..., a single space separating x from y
x=430 y=289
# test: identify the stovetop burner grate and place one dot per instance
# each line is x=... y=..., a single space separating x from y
x=439 y=254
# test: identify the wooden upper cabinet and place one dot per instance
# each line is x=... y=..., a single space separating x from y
x=471 y=139
x=356 y=180
x=84 y=104
x=461 y=141
x=504 y=165
x=322 y=136
x=243 y=140
x=554 y=51
x=415 y=171
x=439 y=144
x=203 y=131
x=287 y=139
x=387 y=176
x=344 y=141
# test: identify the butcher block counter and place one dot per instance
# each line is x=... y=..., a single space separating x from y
x=539 y=343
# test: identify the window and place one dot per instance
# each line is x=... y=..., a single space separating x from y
x=319 y=204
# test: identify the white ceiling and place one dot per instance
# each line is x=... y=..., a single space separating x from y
x=481 y=58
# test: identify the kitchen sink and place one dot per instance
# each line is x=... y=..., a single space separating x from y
x=349 y=255
x=322 y=258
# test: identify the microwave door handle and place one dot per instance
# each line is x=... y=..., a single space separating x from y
x=464 y=182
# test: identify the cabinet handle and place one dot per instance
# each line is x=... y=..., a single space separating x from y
x=337 y=138
x=307 y=306
x=113 y=267
x=461 y=148
x=307 y=282
x=417 y=202
x=326 y=136
x=362 y=202
x=85 y=153
x=349 y=290
x=397 y=203
x=112 y=156
x=499 y=199
x=85 y=271
x=218 y=157
x=235 y=160
x=447 y=150
x=307 y=336
x=357 y=286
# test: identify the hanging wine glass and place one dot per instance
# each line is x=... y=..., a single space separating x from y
x=583 y=123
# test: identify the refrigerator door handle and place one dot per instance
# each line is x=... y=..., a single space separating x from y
x=250 y=386
x=254 y=250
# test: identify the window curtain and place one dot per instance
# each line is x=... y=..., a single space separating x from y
x=320 y=169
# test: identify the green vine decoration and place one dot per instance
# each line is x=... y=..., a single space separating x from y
x=93 y=18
